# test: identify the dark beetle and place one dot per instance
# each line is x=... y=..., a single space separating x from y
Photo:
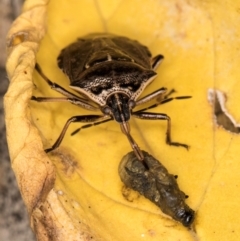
x=109 y=73
x=154 y=182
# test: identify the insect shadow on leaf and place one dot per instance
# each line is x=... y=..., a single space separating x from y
x=109 y=73
x=151 y=179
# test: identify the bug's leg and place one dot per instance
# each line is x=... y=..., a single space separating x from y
x=72 y=98
x=83 y=118
x=50 y=99
x=156 y=61
x=160 y=116
x=55 y=86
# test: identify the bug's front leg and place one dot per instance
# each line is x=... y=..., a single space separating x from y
x=93 y=119
x=160 y=116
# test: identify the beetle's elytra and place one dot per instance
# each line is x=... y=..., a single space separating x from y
x=109 y=73
x=156 y=184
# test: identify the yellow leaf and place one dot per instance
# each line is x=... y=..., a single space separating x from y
x=75 y=193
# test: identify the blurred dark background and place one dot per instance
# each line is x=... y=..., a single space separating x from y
x=14 y=222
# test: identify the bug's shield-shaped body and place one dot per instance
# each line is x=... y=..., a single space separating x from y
x=103 y=64
x=154 y=182
x=109 y=73
x=112 y=71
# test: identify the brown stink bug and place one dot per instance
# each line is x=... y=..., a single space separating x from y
x=109 y=73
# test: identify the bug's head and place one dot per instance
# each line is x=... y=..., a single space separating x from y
x=119 y=106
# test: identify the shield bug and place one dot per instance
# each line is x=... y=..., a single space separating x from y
x=109 y=73
x=151 y=179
